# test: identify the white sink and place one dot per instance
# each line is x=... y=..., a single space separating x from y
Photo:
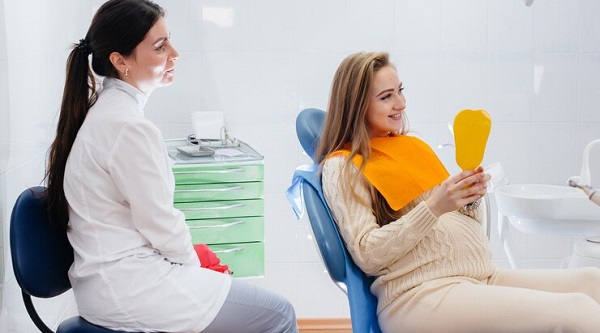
x=548 y=209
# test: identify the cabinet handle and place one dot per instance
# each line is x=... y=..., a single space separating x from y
x=223 y=207
x=222 y=225
x=226 y=189
x=233 y=249
x=219 y=171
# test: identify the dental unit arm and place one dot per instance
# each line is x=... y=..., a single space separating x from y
x=588 y=190
x=584 y=180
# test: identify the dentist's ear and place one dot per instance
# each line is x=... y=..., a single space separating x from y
x=120 y=63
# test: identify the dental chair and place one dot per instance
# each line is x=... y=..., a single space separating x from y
x=41 y=257
x=343 y=271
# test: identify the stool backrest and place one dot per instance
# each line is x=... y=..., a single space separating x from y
x=41 y=253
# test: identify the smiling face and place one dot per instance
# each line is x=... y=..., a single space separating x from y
x=152 y=63
x=386 y=103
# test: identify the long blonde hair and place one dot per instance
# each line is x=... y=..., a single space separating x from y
x=346 y=122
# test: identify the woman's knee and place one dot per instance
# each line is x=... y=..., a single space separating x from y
x=590 y=273
x=578 y=313
x=281 y=313
x=589 y=279
x=580 y=306
x=289 y=324
x=581 y=301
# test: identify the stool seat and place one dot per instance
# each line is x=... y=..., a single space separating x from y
x=78 y=324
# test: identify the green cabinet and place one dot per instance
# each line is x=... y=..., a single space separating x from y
x=221 y=197
x=218 y=174
x=218 y=191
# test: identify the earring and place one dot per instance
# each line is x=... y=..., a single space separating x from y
x=126 y=72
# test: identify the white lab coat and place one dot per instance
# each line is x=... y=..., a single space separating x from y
x=135 y=267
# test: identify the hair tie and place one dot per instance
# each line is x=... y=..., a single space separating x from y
x=84 y=47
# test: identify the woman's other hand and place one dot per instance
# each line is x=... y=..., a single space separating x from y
x=458 y=190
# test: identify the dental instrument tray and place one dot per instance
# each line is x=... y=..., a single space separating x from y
x=228 y=142
x=195 y=150
x=241 y=154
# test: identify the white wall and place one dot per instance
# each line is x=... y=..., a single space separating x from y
x=34 y=41
x=534 y=69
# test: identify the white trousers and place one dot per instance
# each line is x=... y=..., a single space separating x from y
x=510 y=301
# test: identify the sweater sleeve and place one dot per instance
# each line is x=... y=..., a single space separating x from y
x=476 y=213
x=372 y=247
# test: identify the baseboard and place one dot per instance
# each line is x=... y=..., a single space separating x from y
x=325 y=324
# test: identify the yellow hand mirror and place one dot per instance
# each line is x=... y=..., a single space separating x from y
x=471 y=131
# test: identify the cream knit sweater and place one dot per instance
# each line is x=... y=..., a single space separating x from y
x=414 y=249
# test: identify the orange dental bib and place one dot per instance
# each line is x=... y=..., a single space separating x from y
x=400 y=167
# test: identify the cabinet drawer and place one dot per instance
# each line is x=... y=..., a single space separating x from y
x=218 y=174
x=221 y=191
x=232 y=230
x=221 y=209
x=244 y=259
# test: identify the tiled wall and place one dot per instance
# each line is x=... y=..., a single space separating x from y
x=534 y=69
x=34 y=41
x=3 y=128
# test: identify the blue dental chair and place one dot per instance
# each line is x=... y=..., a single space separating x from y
x=41 y=257
x=342 y=269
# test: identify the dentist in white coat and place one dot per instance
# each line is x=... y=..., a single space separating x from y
x=111 y=188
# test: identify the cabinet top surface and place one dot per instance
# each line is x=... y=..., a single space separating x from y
x=223 y=155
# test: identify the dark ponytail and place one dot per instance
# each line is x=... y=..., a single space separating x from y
x=78 y=96
x=118 y=26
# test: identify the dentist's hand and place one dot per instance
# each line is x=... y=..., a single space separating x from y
x=457 y=191
x=209 y=259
